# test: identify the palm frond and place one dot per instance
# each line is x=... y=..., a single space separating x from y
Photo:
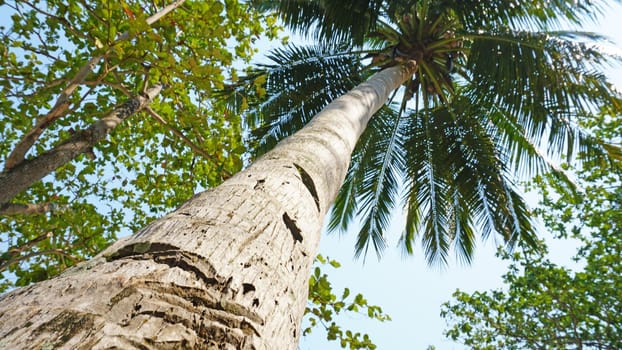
x=346 y=203
x=546 y=82
x=462 y=227
x=297 y=83
x=483 y=179
x=378 y=193
x=373 y=181
x=327 y=21
x=427 y=188
x=538 y=14
x=458 y=183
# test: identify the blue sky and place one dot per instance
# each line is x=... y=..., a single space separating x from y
x=410 y=291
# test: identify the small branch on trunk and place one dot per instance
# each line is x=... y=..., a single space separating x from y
x=5 y=263
x=9 y=209
x=21 y=248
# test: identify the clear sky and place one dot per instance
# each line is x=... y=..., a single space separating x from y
x=409 y=291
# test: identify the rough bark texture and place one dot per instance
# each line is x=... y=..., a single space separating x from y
x=227 y=270
x=26 y=173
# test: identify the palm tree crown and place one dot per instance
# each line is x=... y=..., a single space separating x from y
x=497 y=83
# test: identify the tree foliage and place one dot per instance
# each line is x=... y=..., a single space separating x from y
x=65 y=65
x=548 y=306
x=325 y=305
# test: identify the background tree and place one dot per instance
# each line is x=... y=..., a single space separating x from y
x=74 y=70
x=548 y=306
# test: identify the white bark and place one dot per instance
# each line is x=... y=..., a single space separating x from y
x=227 y=270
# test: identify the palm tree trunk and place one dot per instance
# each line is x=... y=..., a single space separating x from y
x=227 y=270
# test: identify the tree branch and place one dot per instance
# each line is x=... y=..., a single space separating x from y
x=9 y=209
x=5 y=263
x=198 y=150
x=19 y=249
x=30 y=171
x=60 y=109
x=61 y=106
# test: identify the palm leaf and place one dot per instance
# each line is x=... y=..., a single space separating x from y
x=546 y=82
x=378 y=192
x=476 y=15
x=296 y=84
x=427 y=187
x=458 y=183
x=327 y=21
x=372 y=181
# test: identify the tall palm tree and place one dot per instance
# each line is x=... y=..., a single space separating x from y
x=229 y=268
x=497 y=92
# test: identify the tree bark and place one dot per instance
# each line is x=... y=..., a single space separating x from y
x=9 y=209
x=26 y=173
x=228 y=269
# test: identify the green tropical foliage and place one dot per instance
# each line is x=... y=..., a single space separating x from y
x=499 y=91
x=148 y=165
x=544 y=305
x=66 y=64
x=325 y=306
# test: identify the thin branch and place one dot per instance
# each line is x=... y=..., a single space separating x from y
x=62 y=103
x=9 y=209
x=198 y=150
x=94 y=84
x=56 y=18
x=92 y=12
x=117 y=86
x=44 y=85
x=151 y=20
x=8 y=262
x=121 y=86
x=60 y=109
x=21 y=248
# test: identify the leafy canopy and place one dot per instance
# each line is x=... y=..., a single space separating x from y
x=63 y=65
